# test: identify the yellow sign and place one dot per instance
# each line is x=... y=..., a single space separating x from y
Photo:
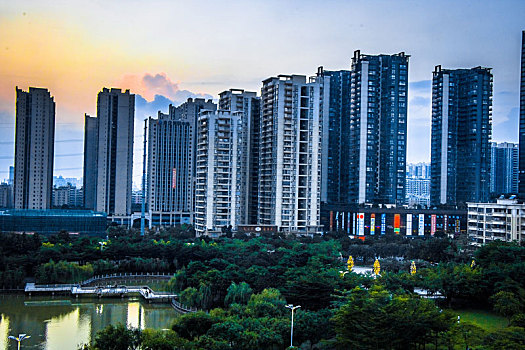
x=350 y=263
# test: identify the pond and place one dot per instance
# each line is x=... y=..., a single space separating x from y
x=61 y=322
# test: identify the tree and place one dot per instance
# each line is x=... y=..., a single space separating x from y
x=506 y=304
x=238 y=293
x=118 y=337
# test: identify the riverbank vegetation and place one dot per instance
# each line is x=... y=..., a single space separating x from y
x=242 y=285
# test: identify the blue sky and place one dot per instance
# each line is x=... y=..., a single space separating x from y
x=168 y=50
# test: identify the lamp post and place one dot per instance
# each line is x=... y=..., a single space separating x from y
x=20 y=338
x=291 y=307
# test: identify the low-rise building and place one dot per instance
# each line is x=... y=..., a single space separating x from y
x=503 y=220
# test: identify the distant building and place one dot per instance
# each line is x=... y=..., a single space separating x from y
x=238 y=100
x=504 y=159
x=461 y=132
x=220 y=201
x=294 y=118
x=34 y=148
x=68 y=196
x=11 y=175
x=522 y=120
x=171 y=160
x=378 y=128
x=503 y=220
x=108 y=155
x=52 y=221
x=6 y=195
x=418 y=184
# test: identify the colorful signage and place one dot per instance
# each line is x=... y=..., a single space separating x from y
x=397 y=223
x=433 y=224
x=373 y=224
x=383 y=224
x=421 y=226
x=361 y=224
x=409 y=225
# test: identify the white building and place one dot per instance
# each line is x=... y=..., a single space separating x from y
x=34 y=148
x=504 y=220
x=108 y=153
x=294 y=118
x=171 y=163
x=221 y=179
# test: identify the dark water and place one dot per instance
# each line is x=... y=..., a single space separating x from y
x=61 y=323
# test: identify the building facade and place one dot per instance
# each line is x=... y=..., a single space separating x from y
x=461 y=133
x=238 y=100
x=171 y=168
x=6 y=195
x=108 y=153
x=34 y=148
x=294 y=118
x=220 y=200
x=522 y=120
x=378 y=128
x=337 y=156
x=504 y=159
x=503 y=220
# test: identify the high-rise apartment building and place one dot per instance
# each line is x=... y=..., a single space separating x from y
x=294 y=118
x=237 y=100
x=418 y=170
x=171 y=163
x=522 y=121
x=108 y=156
x=378 y=128
x=504 y=168
x=418 y=184
x=34 y=148
x=337 y=156
x=90 y=161
x=220 y=200
x=461 y=132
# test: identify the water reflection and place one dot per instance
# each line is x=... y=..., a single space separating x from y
x=62 y=323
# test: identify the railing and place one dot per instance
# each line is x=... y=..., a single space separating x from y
x=182 y=308
x=126 y=275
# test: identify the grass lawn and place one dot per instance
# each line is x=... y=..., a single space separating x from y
x=488 y=320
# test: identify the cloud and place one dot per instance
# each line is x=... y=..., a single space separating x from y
x=149 y=86
x=506 y=129
x=422 y=85
x=420 y=101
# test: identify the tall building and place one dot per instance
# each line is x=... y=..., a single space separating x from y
x=34 y=148
x=504 y=168
x=378 y=128
x=171 y=163
x=522 y=120
x=221 y=172
x=294 y=117
x=90 y=161
x=336 y=160
x=237 y=100
x=6 y=195
x=461 y=132
x=11 y=179
x=108 y=153
x=418 y=184
x=418 y=170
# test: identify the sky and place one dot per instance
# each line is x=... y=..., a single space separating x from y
x=167 y=51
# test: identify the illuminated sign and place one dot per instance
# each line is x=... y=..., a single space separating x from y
x=174 y=178
x=433 y=225
x=361 y=224
x=409 y=225
x=383 y=224
x=397 y=223
x=373 y=224
x=421 y=228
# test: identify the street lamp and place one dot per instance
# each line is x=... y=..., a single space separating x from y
x=20 y=338
x=291 y=307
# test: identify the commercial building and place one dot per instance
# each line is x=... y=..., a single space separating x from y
x=504 y=164
x=522 y=120
x=247 y=102
x=108 y=153
x=378 y=128
x=503 y=220
x=53 y=221
x=68 y=196
x=171 y=163
x=294 y=118
x=461 y=132
x=220 y=200
x=418 y=171
x=363 y=221
x=34 y=148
